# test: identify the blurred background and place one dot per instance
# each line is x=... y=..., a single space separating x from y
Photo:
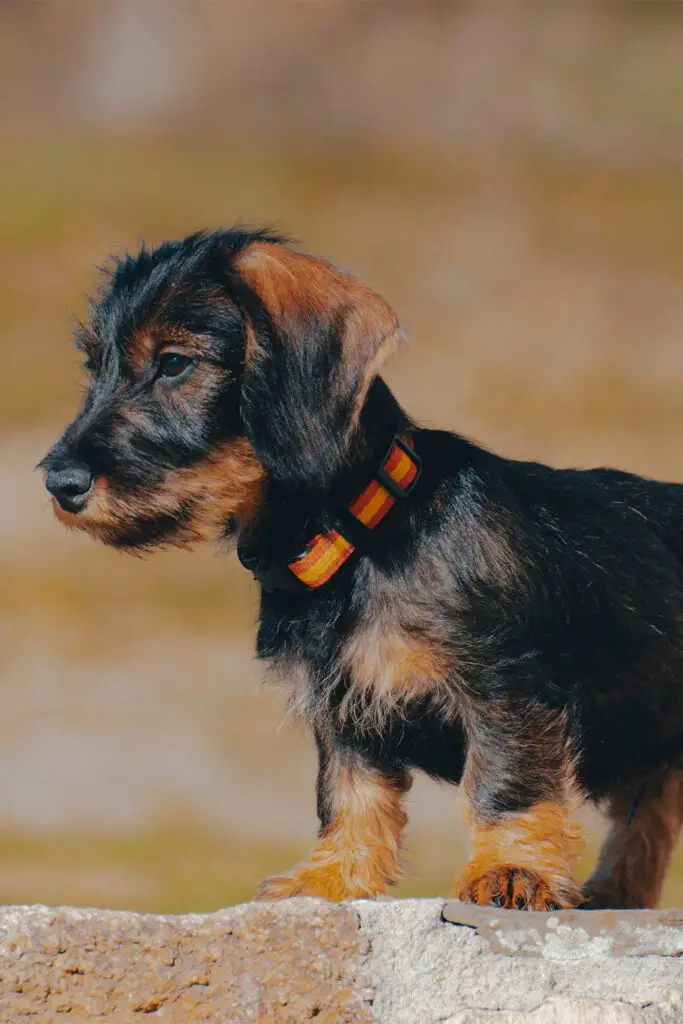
x=508 y=176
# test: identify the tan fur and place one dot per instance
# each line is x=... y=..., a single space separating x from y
x=527 y=858
x=635 y=856
x=389 y=660
x=141 y=349
x=228 y=483
x=252 y=346
x=293 y=286
x=402 y=650
x=524 y=859
x=144 y=345
x=389 y=665
x=358 y=855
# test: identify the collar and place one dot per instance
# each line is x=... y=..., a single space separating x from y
x=327 y=552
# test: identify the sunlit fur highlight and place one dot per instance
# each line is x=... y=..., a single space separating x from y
x=358 y=854
x=524 y=861
x=390 y=665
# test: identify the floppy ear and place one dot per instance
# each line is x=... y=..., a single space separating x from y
x=316 y=339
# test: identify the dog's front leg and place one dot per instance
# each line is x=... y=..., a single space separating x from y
x=361 y=821
x=519 y=797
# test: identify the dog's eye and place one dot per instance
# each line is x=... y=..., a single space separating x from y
x=173 y=364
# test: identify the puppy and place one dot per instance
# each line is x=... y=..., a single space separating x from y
x=499 y=624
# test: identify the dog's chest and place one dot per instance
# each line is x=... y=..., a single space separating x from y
x=388 y=690
x=397 y=710
x=389 y=664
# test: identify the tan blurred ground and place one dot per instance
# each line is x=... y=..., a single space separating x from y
x=509 y=176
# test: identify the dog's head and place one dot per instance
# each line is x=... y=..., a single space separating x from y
x=215 y=363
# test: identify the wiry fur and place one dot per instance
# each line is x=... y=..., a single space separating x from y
x=510 y=626
x=645 y=825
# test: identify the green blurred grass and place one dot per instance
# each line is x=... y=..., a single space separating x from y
x=183 y=869
x=168 y=870
x=68 y=203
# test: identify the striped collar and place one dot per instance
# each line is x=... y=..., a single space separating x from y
x=327 y=551
x=325 y=554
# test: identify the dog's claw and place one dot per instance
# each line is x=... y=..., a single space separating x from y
x=510 y=888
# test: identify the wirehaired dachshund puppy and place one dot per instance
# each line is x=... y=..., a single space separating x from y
x=499 y=624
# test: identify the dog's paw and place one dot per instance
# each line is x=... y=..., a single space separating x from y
x=513 y=888
x=326 y=885
x=331 y=882
x=280 y=887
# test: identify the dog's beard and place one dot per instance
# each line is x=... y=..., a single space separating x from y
x=210 y=500
x=132 y=522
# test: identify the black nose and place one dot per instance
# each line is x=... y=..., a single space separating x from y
x=70 y=485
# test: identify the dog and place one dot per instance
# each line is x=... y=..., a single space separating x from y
x=498 y=624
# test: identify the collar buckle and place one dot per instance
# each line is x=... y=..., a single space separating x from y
x=352 y=532
x=396 y=489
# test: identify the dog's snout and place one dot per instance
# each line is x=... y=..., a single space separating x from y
x=69 y=484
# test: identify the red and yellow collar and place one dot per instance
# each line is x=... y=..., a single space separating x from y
x=327 y=552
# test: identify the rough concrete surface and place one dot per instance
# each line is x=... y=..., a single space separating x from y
x=289 y=962
x=391 y=962
x=426 y=970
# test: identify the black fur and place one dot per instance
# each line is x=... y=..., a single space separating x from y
x=555 y=597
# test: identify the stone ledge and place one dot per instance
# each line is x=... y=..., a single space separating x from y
x=257 y=962
x=574 y=933
x=392 y=962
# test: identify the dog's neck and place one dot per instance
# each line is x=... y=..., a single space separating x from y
x=381 y=418
x=290 y=517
